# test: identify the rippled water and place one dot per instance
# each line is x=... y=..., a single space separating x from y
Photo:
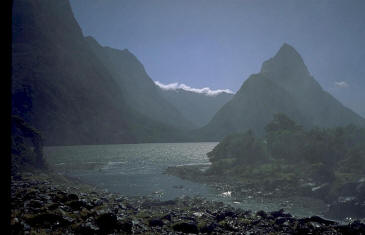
x=137 y=169
x=132 y=169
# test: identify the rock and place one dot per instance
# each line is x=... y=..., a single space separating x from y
x=198 y=214
x=208 y=228
x=44 y=197
x=72 y=197
x=189 y=215
x=186 y=227
x=279 y=213
x=315 y=225
x=122 y=206
x=25 y=226
x=223 y=215
x=167 y=217
x=87 y=228
x=228 y=226
x=35 y=203
x=155 y=222
x=126 y=226
x=48 y=220
x=17 y=228
x=87 y=204
x=53 y=206
x=60 y=197
x=76 y=205
x=282 y=221
x=107 y=222
x=262 y=214
x=358 y=227
x=31 y=194
x=317 y=219
x=97 y=202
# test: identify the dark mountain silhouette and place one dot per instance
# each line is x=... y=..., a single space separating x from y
x=284 y=85
x=64 y=90
x=198 y=108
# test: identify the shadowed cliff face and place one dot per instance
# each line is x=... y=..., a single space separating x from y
x=61 y=88
x=26 y=147
x=284 y=85
x=139 y=91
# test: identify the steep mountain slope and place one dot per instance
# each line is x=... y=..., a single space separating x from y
x=284 y=85
x=198 y=108
x=61 y=88
x=139 y=90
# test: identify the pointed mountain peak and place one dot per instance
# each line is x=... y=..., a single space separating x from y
x=287 y=58
x=288 y=52
x=287 y=47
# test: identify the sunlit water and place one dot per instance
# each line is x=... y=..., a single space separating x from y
x=137 y=170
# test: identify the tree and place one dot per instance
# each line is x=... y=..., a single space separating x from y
x=285 y=138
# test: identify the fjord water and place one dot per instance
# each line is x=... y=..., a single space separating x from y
x=132 y=169
x=137 y=170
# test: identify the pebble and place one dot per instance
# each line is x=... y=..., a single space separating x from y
x=44 y=205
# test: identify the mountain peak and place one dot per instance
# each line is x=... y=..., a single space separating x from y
x=288 y=52
x=287 y=46
x=286 y=59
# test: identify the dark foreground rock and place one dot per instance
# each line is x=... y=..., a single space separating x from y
x=42 y=205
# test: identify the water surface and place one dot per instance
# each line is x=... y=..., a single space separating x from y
x=137 y=170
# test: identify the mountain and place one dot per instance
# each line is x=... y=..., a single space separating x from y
x=198 y=108
x=284 y=85
x=138 y=88
x=61 y=88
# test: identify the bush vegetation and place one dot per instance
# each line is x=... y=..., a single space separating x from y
x=288 y=151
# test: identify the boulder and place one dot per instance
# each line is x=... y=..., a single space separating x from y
x=186 y=227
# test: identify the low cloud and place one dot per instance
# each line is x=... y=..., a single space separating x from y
x=205 y=90
x=342 y=84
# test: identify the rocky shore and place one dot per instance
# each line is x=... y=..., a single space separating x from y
x=347 y=203
x=45 y=203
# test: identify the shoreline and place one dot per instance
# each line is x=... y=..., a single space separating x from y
x=44 y=203
x=260 y=191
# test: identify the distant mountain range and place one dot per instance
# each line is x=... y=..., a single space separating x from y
x=75 y=91
x=284 y=85
x=199 y=108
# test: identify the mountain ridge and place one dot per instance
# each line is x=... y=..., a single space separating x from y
x=138 y=88
x=62 y=89
x=199 y=108
x=297 y=94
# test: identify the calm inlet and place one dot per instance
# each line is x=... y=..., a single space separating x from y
x=138 y=170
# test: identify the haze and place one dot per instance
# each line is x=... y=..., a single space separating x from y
x=219 y=44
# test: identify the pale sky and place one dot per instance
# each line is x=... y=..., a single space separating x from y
x=218 y=44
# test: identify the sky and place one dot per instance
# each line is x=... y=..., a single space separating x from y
x=218 y=44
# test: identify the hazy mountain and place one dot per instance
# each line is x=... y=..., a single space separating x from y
x=138 y=89
x=284 y=85
x=62 y=89
x=199 y=108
